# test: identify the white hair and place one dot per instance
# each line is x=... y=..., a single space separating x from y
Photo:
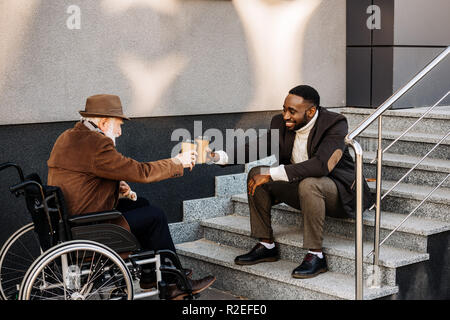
x=96 y=120
x=109 y=133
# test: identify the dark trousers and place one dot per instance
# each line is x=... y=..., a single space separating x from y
x=148 y=224
x=315 y=197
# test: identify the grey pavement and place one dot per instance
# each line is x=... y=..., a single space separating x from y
x=216 y=294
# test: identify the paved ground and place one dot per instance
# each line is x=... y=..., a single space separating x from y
x=209 y=294
x=215 y=294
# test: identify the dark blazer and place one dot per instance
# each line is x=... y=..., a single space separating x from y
x=328 y=155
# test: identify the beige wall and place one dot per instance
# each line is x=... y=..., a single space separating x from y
x=420 y=25
x=419 y=22
x=164 y=58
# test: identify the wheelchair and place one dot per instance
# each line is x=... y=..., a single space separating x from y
x=78 y=257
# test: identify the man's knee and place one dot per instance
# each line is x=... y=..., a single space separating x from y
x=258 y=170
x=309 y=185
x=263 y=188
x=253 y=172
x=154 y=215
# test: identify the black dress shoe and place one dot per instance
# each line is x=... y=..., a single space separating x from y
x=311 y=266
x=258 y=254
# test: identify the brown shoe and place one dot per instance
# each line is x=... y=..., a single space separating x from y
x=174 y=293
x=148 y=281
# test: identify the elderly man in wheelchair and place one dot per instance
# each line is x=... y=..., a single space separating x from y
x=93 y=245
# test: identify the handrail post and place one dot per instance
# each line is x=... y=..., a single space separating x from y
x=378 y=199
x=359 y=221
x=349 y=140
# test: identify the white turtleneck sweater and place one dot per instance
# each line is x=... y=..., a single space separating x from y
x=299 y=151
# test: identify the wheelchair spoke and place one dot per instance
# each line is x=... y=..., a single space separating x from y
x=79 y=274
x=46 y=276
x=11 y=270
x=50 y=283
x=45 y=293
x=31 y=255
x=13 y=279
x=30 y=260
x=17 y=255
x=98 y=273
x=103 y=288
x=88 y=281
x=97 y=269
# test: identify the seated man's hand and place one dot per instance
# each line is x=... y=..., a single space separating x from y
x=256 y=181
x=187 y=159
x=126 y=192
x=124 y=188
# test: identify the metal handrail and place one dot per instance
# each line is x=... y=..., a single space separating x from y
x=349 y=140
x=413 y=125
x=411 y=213
x=412 y=168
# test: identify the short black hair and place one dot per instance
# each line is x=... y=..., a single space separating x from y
x=308 y=93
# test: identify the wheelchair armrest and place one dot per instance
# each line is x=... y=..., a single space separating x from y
x=94 y=217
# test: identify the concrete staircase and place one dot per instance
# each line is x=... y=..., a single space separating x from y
x=414 y=262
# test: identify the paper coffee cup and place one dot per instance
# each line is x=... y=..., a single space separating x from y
x=202 y=145
x=188 y=145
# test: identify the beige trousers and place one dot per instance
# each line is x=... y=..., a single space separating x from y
x=315 y=197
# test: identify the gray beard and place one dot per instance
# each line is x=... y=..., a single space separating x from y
x=111 y=135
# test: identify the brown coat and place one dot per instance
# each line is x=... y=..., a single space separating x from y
x=87 y=167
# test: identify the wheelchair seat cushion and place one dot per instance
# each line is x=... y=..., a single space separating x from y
x=111 y=235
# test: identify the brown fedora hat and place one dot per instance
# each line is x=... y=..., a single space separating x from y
x=103 y=105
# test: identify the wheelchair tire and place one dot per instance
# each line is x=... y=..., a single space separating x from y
x=16 y=256
x=78 y=270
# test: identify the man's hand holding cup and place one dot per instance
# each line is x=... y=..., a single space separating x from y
x=211 y=156
x=187 y=159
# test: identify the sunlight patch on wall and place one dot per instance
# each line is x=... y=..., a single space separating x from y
x=274 y=31
x=169 y=7
x=15 y=20
x=149 y=81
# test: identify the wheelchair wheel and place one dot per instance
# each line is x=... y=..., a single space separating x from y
x=16 y=256
x=78 y=270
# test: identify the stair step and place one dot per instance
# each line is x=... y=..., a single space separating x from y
x=293 y=236
x=269 y=280
x=408 y=161
x=405 y=197
x=230 y=184
x=435 y=121
x=411 y=235
x=412 y=191
x=415 y=144
x=439 y=112
x=395 y=166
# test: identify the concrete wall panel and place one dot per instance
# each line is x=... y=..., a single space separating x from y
x=165 y=58
x=424 y=23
